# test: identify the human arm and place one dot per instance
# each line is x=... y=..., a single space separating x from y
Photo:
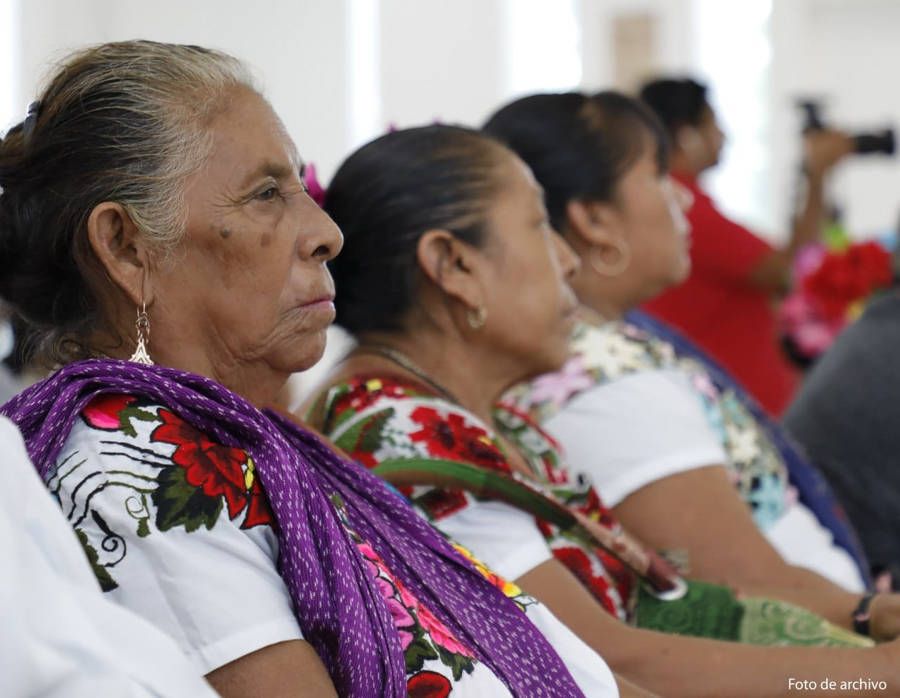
x=289 y=669
x=725 y=546
x=823 y=150
x=629 y=689
x=683 y=666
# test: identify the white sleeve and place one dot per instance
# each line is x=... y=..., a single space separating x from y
x=211 y=586
x=505 y=539
x=635 y=430
x=62 y=636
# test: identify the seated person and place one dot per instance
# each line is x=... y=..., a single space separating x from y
x=153 y=180
x=649 y=426
x=456 y=288
x=61 y=637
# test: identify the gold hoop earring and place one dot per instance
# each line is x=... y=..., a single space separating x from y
x=142 y=325
x=476 y=317
x=605 y=269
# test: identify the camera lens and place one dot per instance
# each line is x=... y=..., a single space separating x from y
x=876 y=142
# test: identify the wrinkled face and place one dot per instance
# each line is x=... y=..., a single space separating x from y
x=531 y=307
x=649 y=206
x=248 y=281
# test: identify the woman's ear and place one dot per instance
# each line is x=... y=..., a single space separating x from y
x=121 y=250
x=596 y=233
x=451 y=265
x=688 y=140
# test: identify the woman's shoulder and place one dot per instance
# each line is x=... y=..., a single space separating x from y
x=176 y=526
x=601 y=354
x=376 y=417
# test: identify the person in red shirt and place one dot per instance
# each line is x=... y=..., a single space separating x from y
x=727 y=304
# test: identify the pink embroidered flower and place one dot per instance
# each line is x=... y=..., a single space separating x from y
x=558 y=387
x=398 y=607
x=440 y=633
x=103 y=411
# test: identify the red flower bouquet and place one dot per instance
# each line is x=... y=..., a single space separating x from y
x=830 y=291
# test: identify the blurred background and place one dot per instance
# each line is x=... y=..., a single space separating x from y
x=341 y=71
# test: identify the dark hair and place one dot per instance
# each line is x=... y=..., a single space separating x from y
x=123 y=122
x=676 y=101
x=578 y=146
x=385 y=196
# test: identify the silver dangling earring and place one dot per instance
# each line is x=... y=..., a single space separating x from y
x=476 y=317
x=142 y=324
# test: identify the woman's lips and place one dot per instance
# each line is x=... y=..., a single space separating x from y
x=323 y=301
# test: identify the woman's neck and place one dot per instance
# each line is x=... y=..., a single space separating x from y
x=602 y=296
x=469 y=374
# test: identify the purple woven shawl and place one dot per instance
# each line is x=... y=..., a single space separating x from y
x=337 y=604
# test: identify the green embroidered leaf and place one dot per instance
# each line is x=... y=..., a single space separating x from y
x=180 y=504
x=418 y=652
x=129 y=413
x=107 y=583
x=366 y=434
x=458 y=663
x=371 y=434
x=143 y=530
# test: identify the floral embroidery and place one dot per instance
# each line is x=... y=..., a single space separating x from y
x=416 y=426
x=453 y=438
x=609 y=580
x=422 y=636
x=509 y=589
x=605 y=354
x=219 y=471
x=428 y=684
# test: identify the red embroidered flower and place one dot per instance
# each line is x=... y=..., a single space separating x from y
x=453 y=439
x=218 y=470
x=365 y=392
x=440 y=503
x=103 y=411
x=428 y=684
x=580 y=565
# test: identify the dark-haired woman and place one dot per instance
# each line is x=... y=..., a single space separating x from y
x=602 y=162
x=455 y=285
x=165 y=248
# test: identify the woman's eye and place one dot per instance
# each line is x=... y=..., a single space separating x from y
x=268 y=194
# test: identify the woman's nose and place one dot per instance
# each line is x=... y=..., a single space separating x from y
x=324 y=239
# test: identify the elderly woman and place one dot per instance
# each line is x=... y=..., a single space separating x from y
x=602 y=162
x=455 y=285
x=154 y=181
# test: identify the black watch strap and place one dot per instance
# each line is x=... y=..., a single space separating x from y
x=861 y=615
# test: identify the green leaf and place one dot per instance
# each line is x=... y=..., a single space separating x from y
x=365 y=435
x=458 y=663
x=418 y=652
x=180 y=504
x=129 y=413
x=107 y=583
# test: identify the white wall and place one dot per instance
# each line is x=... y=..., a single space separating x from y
x=298 y=49
x=846 y=51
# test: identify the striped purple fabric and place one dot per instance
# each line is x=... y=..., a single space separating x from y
x=337 y=604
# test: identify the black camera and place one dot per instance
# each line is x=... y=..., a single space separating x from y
x=875 y=142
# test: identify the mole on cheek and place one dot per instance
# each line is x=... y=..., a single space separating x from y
x=225 y=233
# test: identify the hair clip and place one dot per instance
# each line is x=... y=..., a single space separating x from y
x=31 y=119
